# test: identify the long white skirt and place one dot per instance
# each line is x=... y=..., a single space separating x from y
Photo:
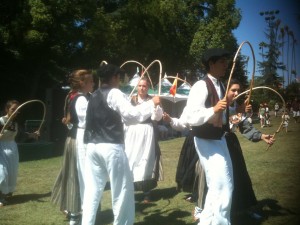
x=3 y=173
x=140 y=150
x=10 y=165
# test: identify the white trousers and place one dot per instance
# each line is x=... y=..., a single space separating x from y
x=215 y=159
x=81 y=151
x=108 y=161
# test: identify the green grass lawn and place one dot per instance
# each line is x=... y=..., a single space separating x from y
x=274 y=173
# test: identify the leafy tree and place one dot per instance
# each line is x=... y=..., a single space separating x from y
x=270 y=54
x=43 y=40
x=215 y=30
x=39 y=39
x=292 y=91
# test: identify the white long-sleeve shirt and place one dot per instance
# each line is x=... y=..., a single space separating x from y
x=180 y=123
x=197 y=113
x=118 y=101
x=81 y=106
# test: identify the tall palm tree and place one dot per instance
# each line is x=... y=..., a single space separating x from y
x=276 y=26
x=293 y=64
x=262 y=45
x=282 y=32
x=286 y=28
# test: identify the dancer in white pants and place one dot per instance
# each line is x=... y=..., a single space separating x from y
x=207 y=113
x=108 y=109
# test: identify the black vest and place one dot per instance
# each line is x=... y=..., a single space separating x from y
x=207 y=130
x=103 y=125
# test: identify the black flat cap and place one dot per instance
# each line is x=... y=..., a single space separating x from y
x=214 y=52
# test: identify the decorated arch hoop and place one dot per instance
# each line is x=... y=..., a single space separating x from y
x=19 y=107
x=282 y=99
x=133 y=61
x=146 y=71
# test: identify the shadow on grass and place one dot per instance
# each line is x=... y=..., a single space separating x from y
x=104 y=217
x=158 y=216
x=266 y=208
x=271 y=208
x=171 y=219
x=157 y=194
x=161 y=216
x=20 y=199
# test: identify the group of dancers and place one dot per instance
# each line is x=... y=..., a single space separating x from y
x=114 y=139
x=110 y=139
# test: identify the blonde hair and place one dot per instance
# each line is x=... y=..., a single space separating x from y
x=76 y=77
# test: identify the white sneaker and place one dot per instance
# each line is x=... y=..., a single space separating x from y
x=74 y=222
x=196 y=213
x=3 y=202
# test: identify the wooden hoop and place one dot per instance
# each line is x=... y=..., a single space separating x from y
x=20 y=106
x=233 y=67
x=283 y=101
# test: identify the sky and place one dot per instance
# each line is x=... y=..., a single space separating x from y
x=253 y=26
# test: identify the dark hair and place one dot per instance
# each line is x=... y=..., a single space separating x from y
x=10 y=103
x=213 y=55
x=233 y=81
x=212 y=59
x=107 y=71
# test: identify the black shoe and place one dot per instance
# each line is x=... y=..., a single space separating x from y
x=146 y=198
x=254 y=215
x=10 y=194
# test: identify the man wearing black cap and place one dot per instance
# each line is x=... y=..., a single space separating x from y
x=107 y=110
x=206 y=113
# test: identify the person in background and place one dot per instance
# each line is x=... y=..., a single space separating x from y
x=108 y=110
x=267 y=115
x=286 y=119
x=276 y=109
x=69 y=186
x=289 y=106
x=262 y=114
x=162 y=130
x=295 y=107
x=9 y=155
x=141 y=145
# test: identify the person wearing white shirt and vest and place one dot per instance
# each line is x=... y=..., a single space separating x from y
x=107 y=110
x=207 y=114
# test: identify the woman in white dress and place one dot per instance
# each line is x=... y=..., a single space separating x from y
x=9 y=155
x=141 y=146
